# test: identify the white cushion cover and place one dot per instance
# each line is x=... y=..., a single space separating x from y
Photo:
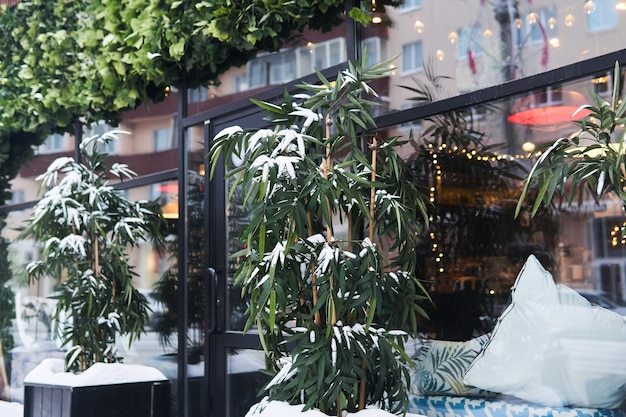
x=552 y=347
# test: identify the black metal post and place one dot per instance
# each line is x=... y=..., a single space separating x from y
x=78 y=139
x=353 y=33
x=183 y=249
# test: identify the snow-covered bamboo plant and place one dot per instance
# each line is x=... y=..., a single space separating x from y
x=332 y=308
x=85 y=227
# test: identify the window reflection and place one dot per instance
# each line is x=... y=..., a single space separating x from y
x=471 y=163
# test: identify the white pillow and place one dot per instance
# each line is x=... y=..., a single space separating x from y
x=552 y=347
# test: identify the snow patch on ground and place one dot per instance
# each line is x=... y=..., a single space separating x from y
x=51 y=372
x=8 y=409
x=267 y=408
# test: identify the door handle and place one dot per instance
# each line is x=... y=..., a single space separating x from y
x=212 y=301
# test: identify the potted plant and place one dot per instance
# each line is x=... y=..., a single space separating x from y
x=590 y=160
x=329 y=260
x=85 y=227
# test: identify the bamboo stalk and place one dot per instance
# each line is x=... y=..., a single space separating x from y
x=318 y=318
x=329 y=238
x=373 y=190
x=371 y=236
x=329 y=229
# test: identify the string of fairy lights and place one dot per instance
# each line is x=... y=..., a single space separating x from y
x=618 y=237
x=435 y=153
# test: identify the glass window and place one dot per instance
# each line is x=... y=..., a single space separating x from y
x=272 y=69
x=53 y=143
x=163 y=139
x=374 y=50
x=470 y=42
x=282 y=67
x=475 y=247
x=256 y=73
x=287 y=65
x=98 y=129
x=411 y=4
x=602 y=85
x=197 y=95
x=324 y=54
x=29 y=311
x=542 y=25
x=305 y=57
x=17 y=196
x=335 y=52
x=241 y=83
x=412 y=59
x=601 y=15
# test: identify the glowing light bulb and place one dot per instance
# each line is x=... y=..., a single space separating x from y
x=569 y=20
x=531 y=18
x=518 y=23
x=552 y=22
x=528 y=147
x=419 y=26
x=452 y=37
x=589 y=7
x=440 y=54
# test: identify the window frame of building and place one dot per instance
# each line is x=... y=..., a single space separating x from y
x=197 y=95
x=294 y=63
x=602 y=85
x=54 y=143
x=277 y=63
x=468 y=36
x=533 y=30
x=18 y=196
x=412 y=57
x=603 y=17
x=409 y=5
x=375 y=47
x=98 y=129
x=163 y=139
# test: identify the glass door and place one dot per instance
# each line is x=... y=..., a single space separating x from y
x=234 y=359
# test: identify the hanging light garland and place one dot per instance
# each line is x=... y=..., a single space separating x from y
x=436 y=153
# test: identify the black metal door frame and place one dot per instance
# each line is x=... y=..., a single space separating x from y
x=218 y=339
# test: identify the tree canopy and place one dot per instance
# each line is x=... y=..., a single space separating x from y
x=67 y=60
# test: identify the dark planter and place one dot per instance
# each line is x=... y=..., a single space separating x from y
x=136 y=399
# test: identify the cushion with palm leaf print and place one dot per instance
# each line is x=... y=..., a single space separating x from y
x=441 y=366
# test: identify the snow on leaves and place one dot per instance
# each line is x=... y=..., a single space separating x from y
x=314 y=282
x=85 y=227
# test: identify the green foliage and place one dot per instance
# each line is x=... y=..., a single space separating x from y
x=95 y=58
x=85 y=227
x=88 y=60
x=7 y=301
x=589 y=160
x=331 y=295
x=49 y=78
